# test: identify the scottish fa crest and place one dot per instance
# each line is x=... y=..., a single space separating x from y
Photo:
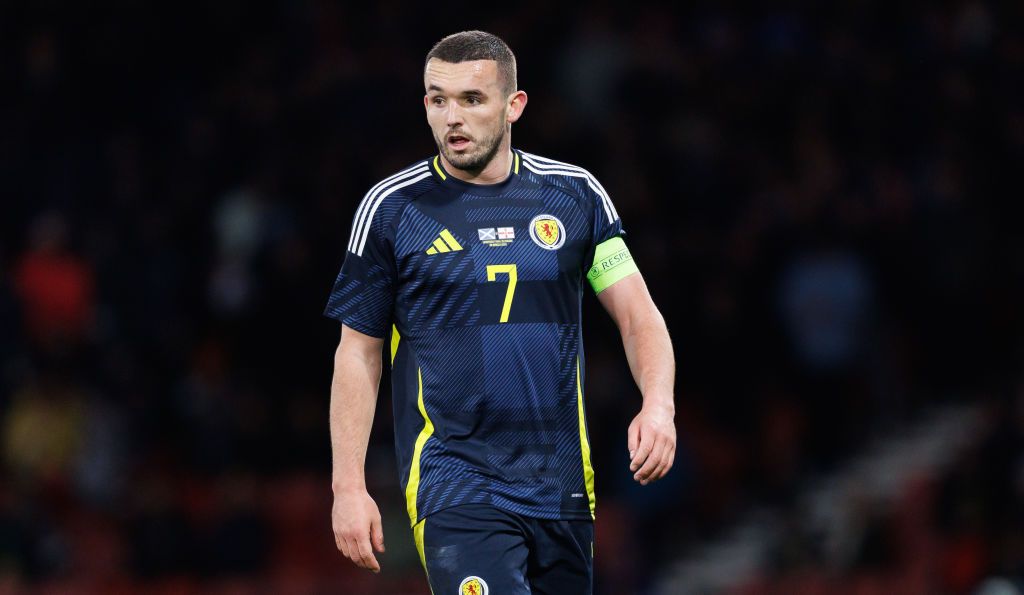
x=473 y=585
x=547 y=232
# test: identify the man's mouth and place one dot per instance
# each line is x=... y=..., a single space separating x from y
x=458 y=142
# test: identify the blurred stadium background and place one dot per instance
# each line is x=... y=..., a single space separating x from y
x=821 y=199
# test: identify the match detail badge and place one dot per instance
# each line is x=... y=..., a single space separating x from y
x=501 y=236
x=473 y=585
x=547 y=232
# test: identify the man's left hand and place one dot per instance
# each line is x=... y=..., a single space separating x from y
x=652 y=443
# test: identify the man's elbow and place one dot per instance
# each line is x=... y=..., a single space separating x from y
x=644 y=319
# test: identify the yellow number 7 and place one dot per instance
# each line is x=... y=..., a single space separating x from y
x=510 y=269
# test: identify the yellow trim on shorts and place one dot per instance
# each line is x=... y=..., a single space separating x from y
x=417 y=536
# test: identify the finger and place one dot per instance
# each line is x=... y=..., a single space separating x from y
x=641 y=468
x=632 y=438
x=663 y=466
x=366 y=558
x=667 y=458
x=652 y=462
x=377 y=534
x=642 y=452
x=671 y=460
x=348 y=548
x=341 y=547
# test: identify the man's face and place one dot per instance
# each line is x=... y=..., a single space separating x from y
x=467 y=110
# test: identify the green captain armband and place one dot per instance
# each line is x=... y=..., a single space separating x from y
x=612 y=263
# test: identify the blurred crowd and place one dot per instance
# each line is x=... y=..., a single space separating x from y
x=958 y=529
x=821 y=200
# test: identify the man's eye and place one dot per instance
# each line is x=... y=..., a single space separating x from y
x=473 y=100
x=438 y=100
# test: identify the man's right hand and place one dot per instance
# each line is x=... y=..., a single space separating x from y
x=357 y=527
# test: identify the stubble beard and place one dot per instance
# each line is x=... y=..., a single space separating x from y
x=476 y=161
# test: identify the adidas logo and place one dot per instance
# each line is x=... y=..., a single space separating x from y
x=445 y=243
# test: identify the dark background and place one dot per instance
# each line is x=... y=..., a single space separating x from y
x=821 y=199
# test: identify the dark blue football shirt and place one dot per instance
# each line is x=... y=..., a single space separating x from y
x=479 y=288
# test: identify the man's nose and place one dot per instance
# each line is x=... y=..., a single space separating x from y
x=454 y=114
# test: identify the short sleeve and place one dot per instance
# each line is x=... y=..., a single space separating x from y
x=606 y=222
x=604 y=219
x=608 y=260
x=363 y=293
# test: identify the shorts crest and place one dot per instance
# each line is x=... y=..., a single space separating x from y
x=473 y=585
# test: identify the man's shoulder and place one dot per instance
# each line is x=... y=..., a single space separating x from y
x=386 y=199
x=547 y=166
x=571 y=178
x=393 y=192
x=560 y=173
x=406 y=182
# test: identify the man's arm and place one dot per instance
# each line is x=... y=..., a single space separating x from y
x=354 y=516
x=652 y=434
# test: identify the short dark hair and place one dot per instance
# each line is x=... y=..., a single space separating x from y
x=477 y=45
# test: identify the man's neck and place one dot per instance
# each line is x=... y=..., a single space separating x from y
x=495 y=172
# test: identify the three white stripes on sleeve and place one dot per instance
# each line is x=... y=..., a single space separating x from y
x=376 y=195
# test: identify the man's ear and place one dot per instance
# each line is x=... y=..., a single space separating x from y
x=516 y=105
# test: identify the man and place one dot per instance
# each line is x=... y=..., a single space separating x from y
x=473 y=263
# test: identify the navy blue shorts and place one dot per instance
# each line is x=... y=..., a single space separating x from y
x=477 y=549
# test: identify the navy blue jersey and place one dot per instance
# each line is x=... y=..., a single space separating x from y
x=479 y=288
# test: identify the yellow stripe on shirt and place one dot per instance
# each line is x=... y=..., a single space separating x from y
x=395 y=339
x=413 y=486
x=588 y=469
